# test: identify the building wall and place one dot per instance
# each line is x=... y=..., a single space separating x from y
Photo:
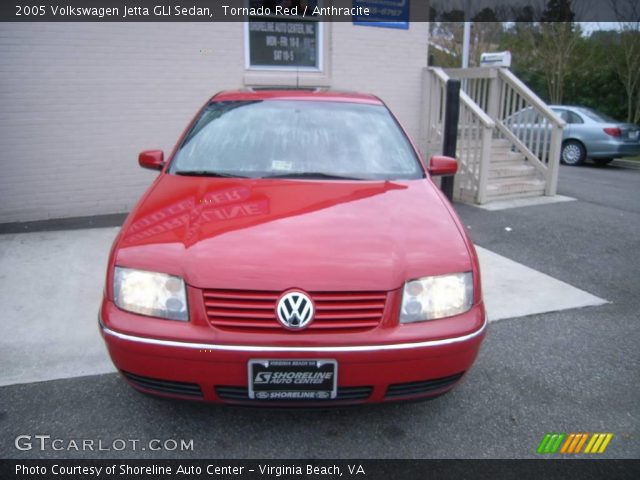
x=80 y=100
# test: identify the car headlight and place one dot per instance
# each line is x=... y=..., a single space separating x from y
x=429 y=298
x=149 y=293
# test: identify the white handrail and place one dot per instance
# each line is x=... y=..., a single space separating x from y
x=531 y=97
x=439 y=72
x=472 y=72
x=484 y=118
x=494 y=103
x=475 y=131
x=477 y=111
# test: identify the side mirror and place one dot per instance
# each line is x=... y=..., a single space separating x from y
x=441 y=165
x=151 y=159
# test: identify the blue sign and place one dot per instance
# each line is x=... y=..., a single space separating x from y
x=383 y=13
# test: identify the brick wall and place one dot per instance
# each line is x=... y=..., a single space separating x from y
x=80 y=100
x=383 y=61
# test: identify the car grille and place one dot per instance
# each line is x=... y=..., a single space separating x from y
x=241 y=394
x=165 y=386
x=238 y=309
x=421 y=388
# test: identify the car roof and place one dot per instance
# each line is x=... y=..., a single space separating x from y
x=314 y=94
x=570 y=107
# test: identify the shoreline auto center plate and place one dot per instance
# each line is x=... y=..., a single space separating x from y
x=286 y=379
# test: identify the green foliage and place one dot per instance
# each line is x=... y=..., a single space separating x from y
x=591 y=77
x=596 y=83
x=553 y=56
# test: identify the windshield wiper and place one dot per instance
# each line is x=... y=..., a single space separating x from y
x=320 y=175
x=208 y=173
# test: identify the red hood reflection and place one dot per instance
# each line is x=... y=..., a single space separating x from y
x=277 y=234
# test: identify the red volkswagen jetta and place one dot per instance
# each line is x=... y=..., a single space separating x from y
x=293 y=250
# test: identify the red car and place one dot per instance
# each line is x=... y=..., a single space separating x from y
x=293 y=250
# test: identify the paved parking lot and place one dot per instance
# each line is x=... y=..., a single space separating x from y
x=566 y=371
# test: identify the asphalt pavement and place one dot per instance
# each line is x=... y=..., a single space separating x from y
x=571 y=371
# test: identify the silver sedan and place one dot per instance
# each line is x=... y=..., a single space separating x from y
x=587 y=134
x=590 y=134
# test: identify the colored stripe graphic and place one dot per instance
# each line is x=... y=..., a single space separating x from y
x=579 y=446
x=550 y=443
x=543 y=443
x=598 y=443
x=574 y=442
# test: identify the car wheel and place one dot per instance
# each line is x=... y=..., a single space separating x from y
x=601 y=162
x=573 y=153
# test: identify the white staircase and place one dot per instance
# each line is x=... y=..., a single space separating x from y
x=511 y=175
x=498 y=160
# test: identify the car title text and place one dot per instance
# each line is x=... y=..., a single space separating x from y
x=183 y=12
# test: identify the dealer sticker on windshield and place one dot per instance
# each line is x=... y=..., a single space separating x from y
x=293 y=379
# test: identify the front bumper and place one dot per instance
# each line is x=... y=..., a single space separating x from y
x=399 y=366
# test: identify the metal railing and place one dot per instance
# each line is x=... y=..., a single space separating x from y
x=494 y=104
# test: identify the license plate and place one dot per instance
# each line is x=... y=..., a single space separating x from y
x=293 y=379
x=634 y=135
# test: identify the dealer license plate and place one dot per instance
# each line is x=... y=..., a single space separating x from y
x=293 y=379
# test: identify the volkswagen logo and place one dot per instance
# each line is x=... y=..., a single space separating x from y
x=295 y=310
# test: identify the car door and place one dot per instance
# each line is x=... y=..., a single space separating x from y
x=564 y=115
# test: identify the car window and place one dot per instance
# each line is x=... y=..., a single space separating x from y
x=526 y=115
x=597 y=116
x=574 y=118
x=563 y=114
x=280 y=137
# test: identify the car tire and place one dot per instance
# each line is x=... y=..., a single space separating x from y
x=601 y=162
x=573 y=153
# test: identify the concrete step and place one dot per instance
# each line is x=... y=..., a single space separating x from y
x=513 y=196
x=501 y=150
x=500 y=144
x=512 y=158
x=467 y=196
x=514 y=186
x=520 y=170
x=497 y=156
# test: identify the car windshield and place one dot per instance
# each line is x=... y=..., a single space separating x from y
x=597 y=116
x=305 y=139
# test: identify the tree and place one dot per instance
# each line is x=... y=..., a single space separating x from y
x=596 y=84
x=447 y=36
x=555 y=45
x=628 y=61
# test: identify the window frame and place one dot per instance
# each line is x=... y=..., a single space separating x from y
x=286 y=68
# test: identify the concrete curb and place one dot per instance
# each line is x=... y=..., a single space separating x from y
x=634 y=164
x=72 y=223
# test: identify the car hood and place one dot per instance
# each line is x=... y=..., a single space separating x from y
x=261 y=234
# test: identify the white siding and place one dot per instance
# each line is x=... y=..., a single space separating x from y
x=80 y=100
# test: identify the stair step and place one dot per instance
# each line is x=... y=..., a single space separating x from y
x=465 y=196
x=507 y=157
x=500 y=147
x=497 y=156
x=521 y=170
x=514 y=186
x=511 y=196
x=500 y=143
x=495 y=150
